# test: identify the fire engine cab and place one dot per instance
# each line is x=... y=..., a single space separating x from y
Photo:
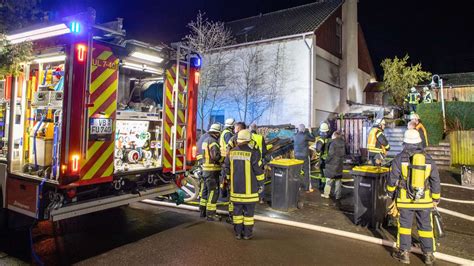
x=95 y=121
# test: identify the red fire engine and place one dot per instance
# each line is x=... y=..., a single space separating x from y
x=94 y=121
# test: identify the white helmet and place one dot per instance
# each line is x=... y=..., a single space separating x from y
x=324 y=127
x=414 y=116
x=380 y=121
x=215 y=128
x=425 y=88
x=229 y=122
x=413 y=89
x=412 y=136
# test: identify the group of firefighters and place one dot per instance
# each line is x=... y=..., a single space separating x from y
x=232 y=162
x=233 y=158
x=414 y=98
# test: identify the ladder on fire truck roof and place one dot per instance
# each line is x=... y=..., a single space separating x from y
x=180 y=102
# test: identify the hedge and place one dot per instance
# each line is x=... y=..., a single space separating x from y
x=459 y=116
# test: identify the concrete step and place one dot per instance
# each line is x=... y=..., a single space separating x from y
x=435 y=152
x=438 y=148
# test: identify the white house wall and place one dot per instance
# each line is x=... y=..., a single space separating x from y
x=292 y=105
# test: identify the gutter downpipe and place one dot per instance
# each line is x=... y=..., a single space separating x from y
x=310 y=77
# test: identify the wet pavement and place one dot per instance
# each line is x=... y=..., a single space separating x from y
x=141 y=234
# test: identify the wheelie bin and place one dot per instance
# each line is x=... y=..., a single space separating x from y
x=369 y=195
x=286 y=184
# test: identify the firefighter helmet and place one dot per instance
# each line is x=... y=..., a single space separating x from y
x=380 y=121
x=425 y=88
x=324 y=127
x=413 y=89
x=215 y=128
x=411 y=137
x=244 y=136
x=414 y=116
x=229 y=122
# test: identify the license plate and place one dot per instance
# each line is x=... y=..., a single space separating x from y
x=101 y=126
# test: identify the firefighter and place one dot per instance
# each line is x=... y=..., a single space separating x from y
x=301 y=147
x=415 y=118
x=232 y=143
x=414 y=183
x=377 y=143
x=226 y=134
x=210 y=158
x=322 y=148
x=246 y=182
x=261 y=146
x=427 y=97
x=413 y=99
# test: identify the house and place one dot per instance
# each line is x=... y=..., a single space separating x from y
x=297 y=65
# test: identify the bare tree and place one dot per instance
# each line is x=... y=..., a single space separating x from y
x=206 y=37
x=276 y=77
x=252 y=93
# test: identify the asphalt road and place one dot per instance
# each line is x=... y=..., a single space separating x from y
x=192 y=240
x=142 y=234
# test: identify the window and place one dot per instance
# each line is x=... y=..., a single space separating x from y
x=339 y=35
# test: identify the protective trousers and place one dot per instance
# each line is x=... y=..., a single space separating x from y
x=412 y=108
x=322 y=168
x=424 y=222
x=306 y=171
x=210 y=192
x=243 y=218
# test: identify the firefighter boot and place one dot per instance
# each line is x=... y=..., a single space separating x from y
x=202 y=211
x=212 y=217
x=229 y=219
x=402 y=256
x=428 y=258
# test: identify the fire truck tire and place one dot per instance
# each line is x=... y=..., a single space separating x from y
x=191 y=188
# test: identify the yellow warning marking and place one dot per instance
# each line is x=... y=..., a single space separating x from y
x=112 y=107
x=110 y=170
x=103 y=97
x=93 y=149
x=101 y=79
x=99 y=162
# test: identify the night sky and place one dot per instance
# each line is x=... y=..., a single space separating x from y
x=439 y=35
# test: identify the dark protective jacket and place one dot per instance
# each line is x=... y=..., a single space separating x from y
x=423 y=134
x=322 y=146
x=413 y=98
x=335 y=159
x=208 y=153
x=427 y=97
x=398 y=179
x=244 y=173
x=377 y=142
x=301 y=143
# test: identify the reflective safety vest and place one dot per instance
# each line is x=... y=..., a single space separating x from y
x=208 y=163
x=414 y=190
x=427 y=97
x=245 y=174
x=258 y=139
x=222 y=142
x=413 y=97
x=373 y=145
x=323 y=154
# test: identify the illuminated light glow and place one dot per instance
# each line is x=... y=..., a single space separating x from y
x=63 y=168
x=38 y=34
x=81 y=52
x=196 y=77
x=194 y=152
x=139 y=67
x=75 y=163
x=149 y=57
x=50 y=59
x=75 y=27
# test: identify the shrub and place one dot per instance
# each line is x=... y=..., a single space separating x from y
x=459 y=116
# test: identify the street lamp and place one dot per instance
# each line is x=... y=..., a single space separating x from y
x=436 y=81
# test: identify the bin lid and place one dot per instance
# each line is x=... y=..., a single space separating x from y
x=286 y=162
x=369 y=170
